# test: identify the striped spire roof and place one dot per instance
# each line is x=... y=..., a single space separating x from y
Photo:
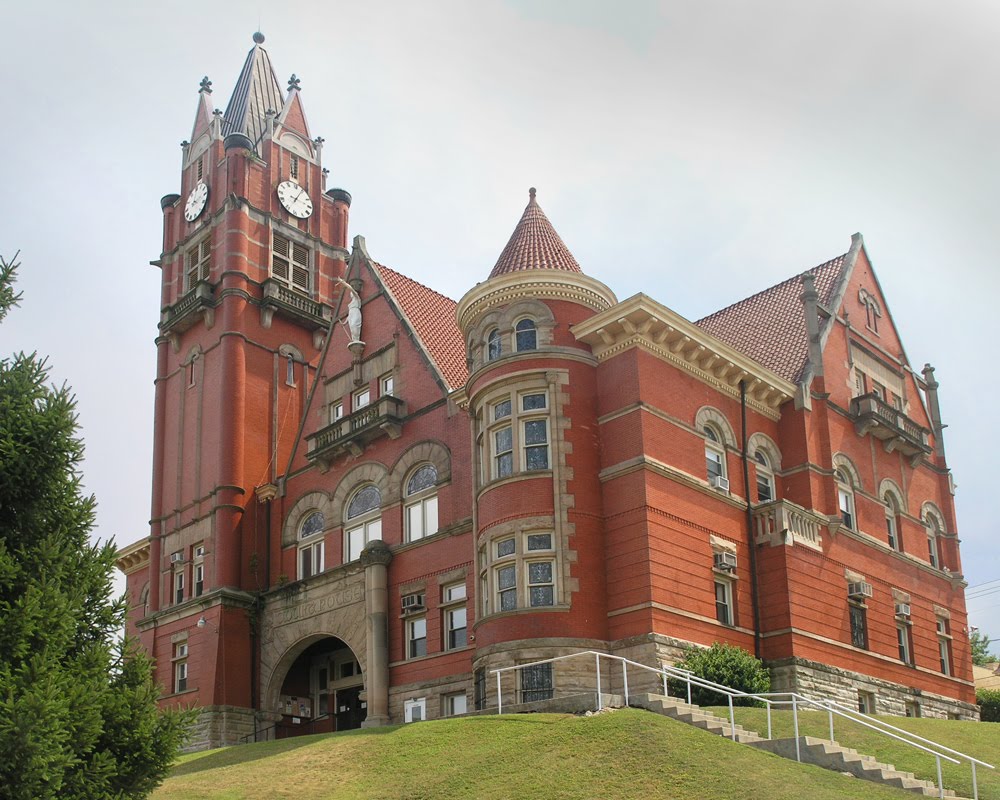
x=257 y=92
x=534 y=245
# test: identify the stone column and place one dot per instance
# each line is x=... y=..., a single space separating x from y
x=375 y=558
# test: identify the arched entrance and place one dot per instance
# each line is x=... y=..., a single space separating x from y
x=321 y=691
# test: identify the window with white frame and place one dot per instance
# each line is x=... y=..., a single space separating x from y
x=525 y=335
x=502 y=439
x=903 y=644
x=180 y=666
x=541 y=583
x=944 y=644
x=198 y=262
x=724 y=601
x=421 y=506
x=289 y=370
x=536 y=683
x=336 y=412
x=858 y=616
x=506 y=583
x=415 y=710
x=453 y=599
x=363 y=521
x=179 y=584
x=933 y=527
x=522 y=569
x=715 y=456
x=311 y=545
x=845 y=496
x=494 y=345
x=765 y=477
x=290 y=263
x=454 y=704
x=416 y=637
x=199 y=569
x=893 y=538
x=361 y=398
x=386 y=385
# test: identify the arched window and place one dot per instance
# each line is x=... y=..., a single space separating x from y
x=525 y=335
x=421 y=509
x=494 y=348
x=311 y=547
x=845 y=496
x=715 y=458
x=765 y=477
x=893 y=535
x=363 y=521
x=934 y=529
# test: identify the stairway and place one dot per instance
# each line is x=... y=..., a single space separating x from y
x=820 y=752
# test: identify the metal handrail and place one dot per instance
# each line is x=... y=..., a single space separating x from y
x=829 y=705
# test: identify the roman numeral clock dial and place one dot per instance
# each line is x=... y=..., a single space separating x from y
x=295 y=199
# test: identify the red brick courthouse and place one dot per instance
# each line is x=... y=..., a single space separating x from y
x=366 y=496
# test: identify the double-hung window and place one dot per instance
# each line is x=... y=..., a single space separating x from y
x=363 y=521
x=311 y=545
x=535 y=439
x=715 y=456
x=502 y=437
x=845 y=497
x=765 y=477
x=859 y=625
x=199 y=570
x=455 y=617
x=421 y=507
x=180 y=667
x=416 y=637
x=944 y=645
x=724 y=601
x=903 y=642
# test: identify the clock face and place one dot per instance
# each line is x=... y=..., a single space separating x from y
x=295 y=199
x=196 y=202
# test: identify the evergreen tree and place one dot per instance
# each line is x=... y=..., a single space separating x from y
x=78 y=713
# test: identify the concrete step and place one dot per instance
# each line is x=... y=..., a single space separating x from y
x=830 y=755
x=819 y=752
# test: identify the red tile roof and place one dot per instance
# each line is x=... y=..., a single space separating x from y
x=534 y=245
x=770 y=326
x=432 y=317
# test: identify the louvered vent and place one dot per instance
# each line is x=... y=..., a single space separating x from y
x=290 y=263
x=199 y=262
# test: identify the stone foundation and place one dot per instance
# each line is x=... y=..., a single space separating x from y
x=219 y=726
x=813 y=679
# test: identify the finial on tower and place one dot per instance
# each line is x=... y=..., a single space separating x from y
x=293 y=82
x=258 y=38
x=531 y=194
x=205 y=85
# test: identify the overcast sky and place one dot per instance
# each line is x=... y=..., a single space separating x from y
x=697 y=152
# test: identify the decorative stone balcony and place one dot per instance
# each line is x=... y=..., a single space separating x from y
x=197 y=304
x=784 y=522
x=873 y=415
x=293 y=305
x=384 y=417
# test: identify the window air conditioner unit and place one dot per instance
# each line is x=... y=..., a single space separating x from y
x=725 y=561
x=176 y=558
x=859 y=589
x=413 y=602
x=718 y=482
x=902 y=609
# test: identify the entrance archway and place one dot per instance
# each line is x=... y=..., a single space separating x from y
x=321 y=690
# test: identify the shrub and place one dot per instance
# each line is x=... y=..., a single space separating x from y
x=725 y=664
x=989 y=704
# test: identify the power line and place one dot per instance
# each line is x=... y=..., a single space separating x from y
x=981 y=585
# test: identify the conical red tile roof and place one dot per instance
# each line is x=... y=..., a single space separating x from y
x=534 y=245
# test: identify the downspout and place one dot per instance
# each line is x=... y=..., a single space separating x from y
x=754 y=602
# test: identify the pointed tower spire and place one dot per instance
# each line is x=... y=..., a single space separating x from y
x=534 y=244
x=257 y=92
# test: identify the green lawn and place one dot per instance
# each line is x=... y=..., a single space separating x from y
x=622 y=754
x=978 y=739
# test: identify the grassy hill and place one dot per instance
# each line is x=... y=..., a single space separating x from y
x=621 y=754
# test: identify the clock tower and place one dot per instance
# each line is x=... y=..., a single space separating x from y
x=254 y=247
